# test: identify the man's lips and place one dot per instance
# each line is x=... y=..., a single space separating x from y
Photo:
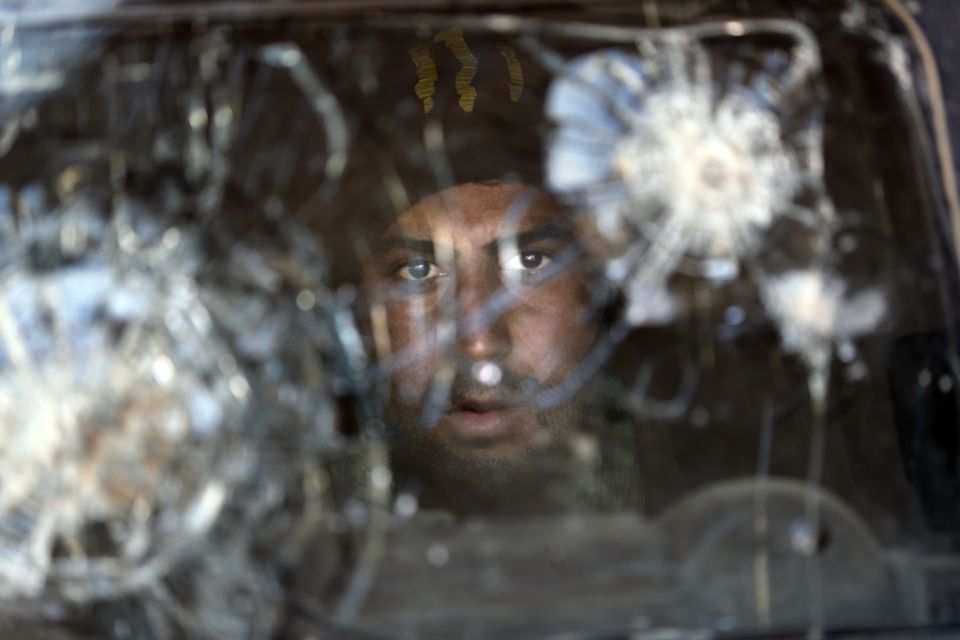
x=482 y=406
x=477 y=418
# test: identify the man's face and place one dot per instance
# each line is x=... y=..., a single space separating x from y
x=478 y=301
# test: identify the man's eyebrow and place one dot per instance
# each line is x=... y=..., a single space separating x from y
x=427 y=247
x=543 y=232
x=415 y=245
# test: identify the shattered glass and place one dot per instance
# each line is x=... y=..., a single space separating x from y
x=630 y=319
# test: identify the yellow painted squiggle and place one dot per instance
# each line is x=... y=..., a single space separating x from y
x=453 y=38
x=426 y=74
x=516 y=71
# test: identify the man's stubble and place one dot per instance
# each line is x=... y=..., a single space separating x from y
x=542 y=473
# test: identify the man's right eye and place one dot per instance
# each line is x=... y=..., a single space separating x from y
x=419 y=270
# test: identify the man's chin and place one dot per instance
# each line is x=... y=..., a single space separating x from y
x=509 y=463
x=486 y=481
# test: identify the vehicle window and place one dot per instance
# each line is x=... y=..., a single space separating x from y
x=426 y=321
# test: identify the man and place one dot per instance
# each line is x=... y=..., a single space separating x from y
x=481 y=312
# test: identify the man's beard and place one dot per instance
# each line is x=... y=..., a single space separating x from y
x=538 y=475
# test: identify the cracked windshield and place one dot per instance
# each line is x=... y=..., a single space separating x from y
x=473 y=320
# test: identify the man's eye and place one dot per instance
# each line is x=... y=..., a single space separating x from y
x=527 y=261
x=418 y=270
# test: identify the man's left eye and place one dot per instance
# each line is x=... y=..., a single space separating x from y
x=419 y=270
x=527 y=261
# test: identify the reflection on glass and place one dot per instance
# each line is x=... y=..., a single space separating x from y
x=473 y=325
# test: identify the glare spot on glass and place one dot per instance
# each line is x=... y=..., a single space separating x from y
x=163 y=370
x=487 y=373
x=945 y=384
x=406 y=505
x=585 y=448
x=925 y=378
x=380 y=478
x=12 y=62
x=198 y=118
x=69 y=180
x=438 y=555
x=127 y=240
x=306 y=300
x=735 y=29
x=223 y=116
x=203 y=512
x=239 y=387
x=171 y=238
x=846 y=351
x=734 y=316
x=802 y=538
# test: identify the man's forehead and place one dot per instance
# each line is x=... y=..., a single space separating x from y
x=494 y=207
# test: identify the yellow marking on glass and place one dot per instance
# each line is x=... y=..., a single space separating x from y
x=426 y=74
x=516 y=71
x=453 y=38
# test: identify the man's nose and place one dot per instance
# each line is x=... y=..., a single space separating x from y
x=482 y=329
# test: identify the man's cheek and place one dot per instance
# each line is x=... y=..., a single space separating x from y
x=411 y=384
x=541 y=353
x=553 y=333
x=415 y=352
